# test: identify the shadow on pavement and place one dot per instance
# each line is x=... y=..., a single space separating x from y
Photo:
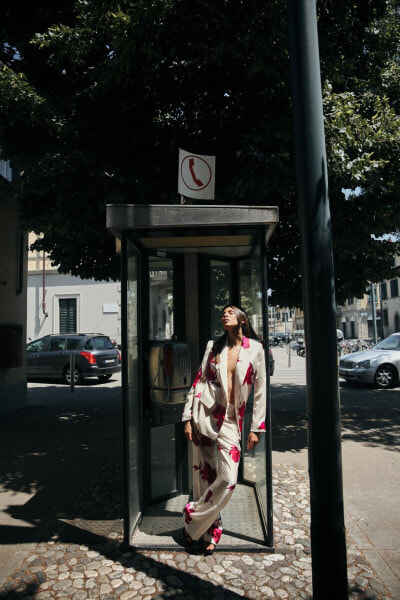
x=48 y=452
x=369 y=416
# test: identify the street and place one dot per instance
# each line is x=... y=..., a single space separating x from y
x=370 y=455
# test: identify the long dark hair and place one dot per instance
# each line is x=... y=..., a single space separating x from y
x=244 y=326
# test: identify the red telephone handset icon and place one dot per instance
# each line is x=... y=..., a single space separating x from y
x=195 y=179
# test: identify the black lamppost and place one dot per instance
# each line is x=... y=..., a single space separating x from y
x=328 y=544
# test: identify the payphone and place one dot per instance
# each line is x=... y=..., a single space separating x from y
x=169 y=380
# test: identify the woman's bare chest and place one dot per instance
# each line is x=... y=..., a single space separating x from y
x=233 y=355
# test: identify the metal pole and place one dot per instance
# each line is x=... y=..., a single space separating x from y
x=268 y=419
x=72 y=371
x=328 y=544
x=374 y=312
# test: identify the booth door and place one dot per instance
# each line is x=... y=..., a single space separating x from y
x=132 y=392
x=254 y=461
x=164 y=443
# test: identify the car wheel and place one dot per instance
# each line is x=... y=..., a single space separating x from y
x=77 y=376
x=385 y=377
x=104 y=378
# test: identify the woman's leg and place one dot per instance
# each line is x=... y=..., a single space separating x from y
x=215 y=486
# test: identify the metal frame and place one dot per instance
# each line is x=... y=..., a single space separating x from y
x=233 y=224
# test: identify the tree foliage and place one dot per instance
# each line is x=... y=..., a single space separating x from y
x=97 y=96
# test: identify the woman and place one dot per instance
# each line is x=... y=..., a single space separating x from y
x=213 y=414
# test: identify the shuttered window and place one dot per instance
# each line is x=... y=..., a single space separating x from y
x=67 y=315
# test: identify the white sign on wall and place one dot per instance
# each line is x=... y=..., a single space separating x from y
x=110 y=308
x=196 y=175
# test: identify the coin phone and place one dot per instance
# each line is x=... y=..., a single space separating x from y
x=169 y=380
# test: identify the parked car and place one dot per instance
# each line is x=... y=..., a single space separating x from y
x=95 y=356
x=380 y=365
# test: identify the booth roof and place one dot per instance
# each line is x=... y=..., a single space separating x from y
x=228 y=230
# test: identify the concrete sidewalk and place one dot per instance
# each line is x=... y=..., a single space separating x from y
x=61 y=518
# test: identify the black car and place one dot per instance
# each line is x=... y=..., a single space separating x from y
x=95 y=356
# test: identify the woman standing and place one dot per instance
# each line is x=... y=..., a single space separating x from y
x=213 y=414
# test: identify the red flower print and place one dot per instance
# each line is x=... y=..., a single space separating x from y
x=197 y=378
x=208 y=473
x=262 y=425
x=219 y=415
x=234 y=452
x=215 y=533
x=249 y=375
x=188 y=510
x=231 y=487
x=209 y=494
x=245 y=342
x=197 y=467
x=211 y=374
x=241 y=410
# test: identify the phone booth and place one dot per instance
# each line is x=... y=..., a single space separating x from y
x=181 y=264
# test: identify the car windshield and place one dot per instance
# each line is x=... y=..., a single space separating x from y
x=390 y=343
x=99 y=343
x=37 y=345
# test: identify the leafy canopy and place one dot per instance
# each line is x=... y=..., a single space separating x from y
x=96 y=97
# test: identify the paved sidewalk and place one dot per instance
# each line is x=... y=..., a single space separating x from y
x=84 y=558
x=78 y=553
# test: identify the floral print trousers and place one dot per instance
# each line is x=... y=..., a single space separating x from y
x=214 y=479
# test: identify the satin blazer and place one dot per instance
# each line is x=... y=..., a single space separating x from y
x=208 y=397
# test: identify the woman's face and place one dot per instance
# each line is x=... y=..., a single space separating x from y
x=229 y=318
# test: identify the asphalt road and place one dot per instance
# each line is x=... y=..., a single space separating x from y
x=370 y=458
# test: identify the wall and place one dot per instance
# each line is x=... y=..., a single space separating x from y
x=12 y=302
x=98 y=304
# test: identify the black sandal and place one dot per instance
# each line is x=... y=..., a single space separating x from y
x=189 y=542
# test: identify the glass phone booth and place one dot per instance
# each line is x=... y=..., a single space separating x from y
x=181 y=264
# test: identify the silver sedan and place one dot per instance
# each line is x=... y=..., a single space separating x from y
x=380 y=365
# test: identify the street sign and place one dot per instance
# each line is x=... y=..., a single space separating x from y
x=196 y=175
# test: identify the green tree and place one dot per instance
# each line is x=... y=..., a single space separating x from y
x=94 y=107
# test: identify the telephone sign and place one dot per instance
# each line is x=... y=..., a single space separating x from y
x=196 y=175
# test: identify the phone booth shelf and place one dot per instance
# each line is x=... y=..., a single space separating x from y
x=180 y=265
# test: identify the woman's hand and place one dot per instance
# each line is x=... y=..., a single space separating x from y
x=187 y=430
x=252 y=440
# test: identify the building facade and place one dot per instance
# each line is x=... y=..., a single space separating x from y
x=356 y=316
x=12 y=302
x=61 y=303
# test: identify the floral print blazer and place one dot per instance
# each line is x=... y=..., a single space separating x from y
x=208 y=398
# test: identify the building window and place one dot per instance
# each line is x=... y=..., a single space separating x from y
x=67 y=315
x=385 y=317
x=394 y=288
x=384 y=290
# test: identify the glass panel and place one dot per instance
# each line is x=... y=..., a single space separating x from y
x=133 y=366
x=250 y=293
x=163 y=464
x=221 y=293
x=161 y=321
x=254 y=461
